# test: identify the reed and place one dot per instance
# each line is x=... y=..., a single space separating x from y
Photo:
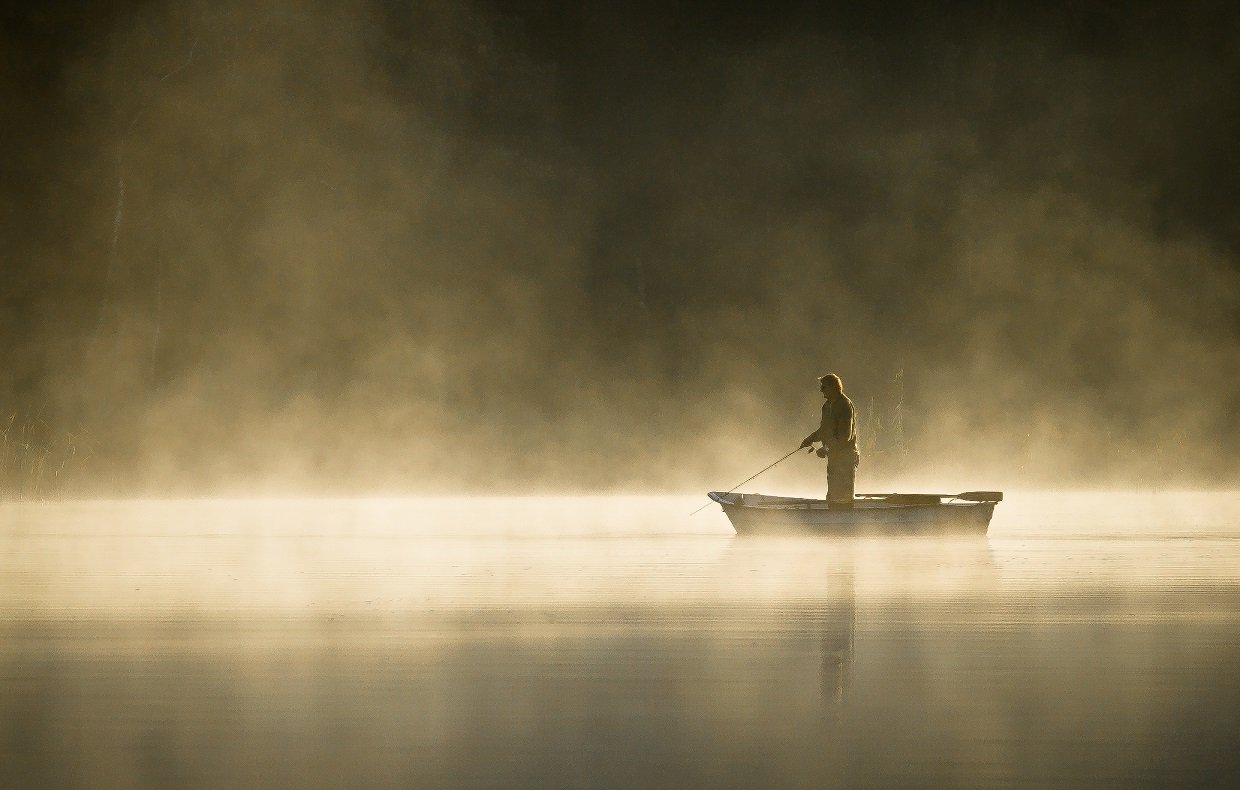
x=880 y=431
x=38 y=461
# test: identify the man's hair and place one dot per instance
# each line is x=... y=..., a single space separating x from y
x=832 y=380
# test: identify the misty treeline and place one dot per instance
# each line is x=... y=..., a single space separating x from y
x=497 y=246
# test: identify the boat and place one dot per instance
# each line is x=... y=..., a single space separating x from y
x=967 y=513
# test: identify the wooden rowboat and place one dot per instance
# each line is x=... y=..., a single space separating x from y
x=874 y=514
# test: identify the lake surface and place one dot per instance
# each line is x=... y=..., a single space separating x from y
x=1090 y=640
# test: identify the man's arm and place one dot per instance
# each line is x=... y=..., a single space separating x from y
x=824 y=430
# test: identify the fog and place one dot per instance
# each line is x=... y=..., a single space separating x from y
x=604 y=641
x=359 y=246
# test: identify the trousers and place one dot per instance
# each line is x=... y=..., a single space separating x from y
x=841 y=477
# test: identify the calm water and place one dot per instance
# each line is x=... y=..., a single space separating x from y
x=1090 y=640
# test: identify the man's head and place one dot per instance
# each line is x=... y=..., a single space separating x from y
x=831 y=386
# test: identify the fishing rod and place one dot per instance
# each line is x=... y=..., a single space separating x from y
x=751 y=477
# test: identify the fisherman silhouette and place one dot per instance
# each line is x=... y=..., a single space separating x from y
x=838 y=434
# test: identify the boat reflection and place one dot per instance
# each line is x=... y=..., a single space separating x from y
x=830 y=588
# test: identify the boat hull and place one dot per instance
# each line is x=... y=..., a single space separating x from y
x=760 y=514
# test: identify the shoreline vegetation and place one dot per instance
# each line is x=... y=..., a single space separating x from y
x=38 y=461
x=880 y=430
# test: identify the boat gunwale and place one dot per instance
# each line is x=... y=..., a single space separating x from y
x=861 y=503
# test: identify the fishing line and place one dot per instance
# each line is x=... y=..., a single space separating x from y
x=747 y=479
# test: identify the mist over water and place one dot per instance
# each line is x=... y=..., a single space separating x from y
x=380 y=247
x=526 y=642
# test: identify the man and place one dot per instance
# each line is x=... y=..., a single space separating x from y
x=838 y=434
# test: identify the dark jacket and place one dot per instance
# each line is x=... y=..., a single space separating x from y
x=838 y=428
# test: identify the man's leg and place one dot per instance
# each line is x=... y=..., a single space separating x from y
x=841 y=478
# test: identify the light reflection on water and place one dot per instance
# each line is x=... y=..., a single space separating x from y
x=1091 y=638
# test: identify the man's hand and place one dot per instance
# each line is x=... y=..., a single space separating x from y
x=807 y=441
